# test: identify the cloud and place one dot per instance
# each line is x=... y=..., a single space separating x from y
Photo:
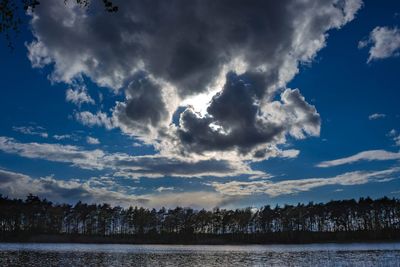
x=235 y=121
x=144 y=109
x=92 y=141
x=396 y=139
x=61 y=137
x=124 y=165
x=40 y=131
x=71 y=136
x=103 y=190
x=162 y=188
x=88 y=159
x=370 y=155
x=157 y=166
x=90 y=119
x=274 y=189
x=376 y=116
x=79 y=96
x=196 y=199
x=240 y=55
x=392 y=133
x=31 y=130
x=384 y=42
x=395 y=136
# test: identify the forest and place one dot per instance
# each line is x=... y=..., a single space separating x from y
x=39 y=220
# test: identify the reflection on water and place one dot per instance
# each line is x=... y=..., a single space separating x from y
x=387 y=254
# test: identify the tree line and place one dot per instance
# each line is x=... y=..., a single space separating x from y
x=35 y=216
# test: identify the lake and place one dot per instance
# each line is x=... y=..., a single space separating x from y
x=357 y=254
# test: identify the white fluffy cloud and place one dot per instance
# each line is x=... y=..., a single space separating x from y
x=239 y=54
x=384 y=42
x=92 y=141
x=79 y=95
x=94 y=119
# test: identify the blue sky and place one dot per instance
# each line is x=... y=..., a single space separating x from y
x=90 y=115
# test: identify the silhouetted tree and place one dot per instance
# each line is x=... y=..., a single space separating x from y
x=366 y=217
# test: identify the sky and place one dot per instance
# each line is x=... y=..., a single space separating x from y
x=203 y=103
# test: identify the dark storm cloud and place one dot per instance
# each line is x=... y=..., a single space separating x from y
x=144 y=105
x=6 y=177
x=190 y=46
x=189 y=41
x=235 y=119
x=183 y=42
x=173 y=167
x=233 y=113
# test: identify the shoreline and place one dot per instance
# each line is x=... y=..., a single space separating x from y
x=196 y=240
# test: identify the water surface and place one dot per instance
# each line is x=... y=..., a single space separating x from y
x=357 y=254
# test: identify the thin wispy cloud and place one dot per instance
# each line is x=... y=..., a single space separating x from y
x=31 y=130
x=370 y=155
x=162 y=189
x=376 y=116
x=95 y=190
x=125 y=165
x=288 y=187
